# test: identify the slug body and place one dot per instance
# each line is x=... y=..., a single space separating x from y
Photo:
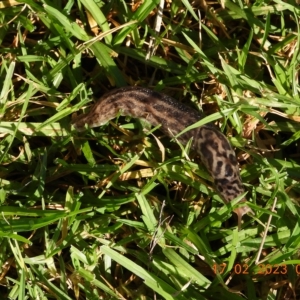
x=213 y=147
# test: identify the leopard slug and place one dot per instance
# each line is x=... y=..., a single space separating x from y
x=159 y=109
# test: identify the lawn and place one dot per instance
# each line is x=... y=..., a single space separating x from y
x=122 y=211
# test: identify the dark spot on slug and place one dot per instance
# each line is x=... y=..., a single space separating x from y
x=219 y=166
x=228 y=170
x=222 y=181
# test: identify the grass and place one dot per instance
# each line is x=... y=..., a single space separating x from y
x=105 y=214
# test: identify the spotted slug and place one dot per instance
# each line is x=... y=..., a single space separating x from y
x=156 y=108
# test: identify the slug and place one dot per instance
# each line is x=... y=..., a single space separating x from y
x=213 y=147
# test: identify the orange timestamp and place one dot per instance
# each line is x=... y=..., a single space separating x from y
x=260 y=269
